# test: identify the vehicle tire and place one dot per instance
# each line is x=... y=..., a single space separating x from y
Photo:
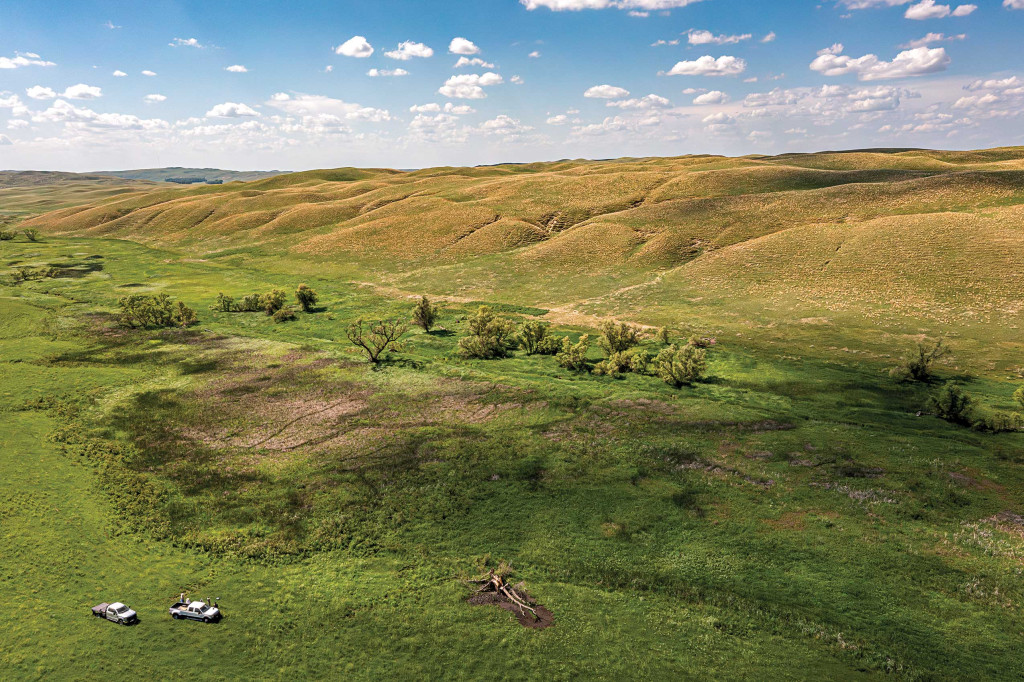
x=120 y=621
x=206 y=620
x=174 y=616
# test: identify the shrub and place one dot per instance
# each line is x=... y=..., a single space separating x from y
x=617 y=338
x=549 y=345
x=184 y=316
x=6 y=235
x=224 y=304
x=534 y=338
x=31 y=234
x=574 y=355
x=424 y=314
x=614 y=365
x=378 y=339
x=998 y=422
x=918 y=367
x=306 y=297
x=701 y=341
x=663 y=336
x=489 y=336
x=285 y=315
x=272 y=301
x=953 y=404
x=1018 y=395
x=141 y=310
x=250 y=304
x=681 y=366
x=640 y=362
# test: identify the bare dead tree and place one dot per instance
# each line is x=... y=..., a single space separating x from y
x=377 y=339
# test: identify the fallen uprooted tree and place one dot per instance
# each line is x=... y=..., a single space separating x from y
x=496 y=589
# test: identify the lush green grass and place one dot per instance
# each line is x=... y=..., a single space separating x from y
x=790 y=517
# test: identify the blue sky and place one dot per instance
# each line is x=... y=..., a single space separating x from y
x=376 y=83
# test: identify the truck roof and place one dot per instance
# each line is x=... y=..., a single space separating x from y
x=116 y=605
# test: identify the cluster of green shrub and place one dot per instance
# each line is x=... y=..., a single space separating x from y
x=955 y=405
x=145 y=311
x=491 y=336
x=31 y=234
x=272 y=303
x=25 y=274
x=951 y=402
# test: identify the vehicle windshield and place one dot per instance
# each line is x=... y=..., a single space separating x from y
x=123 y=609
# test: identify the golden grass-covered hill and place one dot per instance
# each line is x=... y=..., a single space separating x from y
x=938 y=235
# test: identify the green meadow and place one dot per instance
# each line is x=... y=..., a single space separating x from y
x=795 y=514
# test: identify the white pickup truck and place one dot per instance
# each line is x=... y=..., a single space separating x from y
x=195 y=610
x=115 y=613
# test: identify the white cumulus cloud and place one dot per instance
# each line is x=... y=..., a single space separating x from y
x=713 y=97
x=232 y=110
x=929 y=9
x=356 y=46
x=915 y=62
x=147 y=72
x=237 y=68
x=463 y=46
x=475 y=61
x=320 y=107
x=376 y=73
x=119 y=74
x=21 y=59
x=82 y=91
x=931 y=39
x=186 y=42
x=702 y=37
x=469 y=85
x=408 y=49
x=646 y=102
x=40 y=92
x=709 y=66
x=154 y=98
x=606 y=92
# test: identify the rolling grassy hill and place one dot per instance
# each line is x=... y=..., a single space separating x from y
x=163 y=174
x=796 y=514
x=26 y=193
x=899 y=242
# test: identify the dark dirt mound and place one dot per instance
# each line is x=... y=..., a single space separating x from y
x=544 y=618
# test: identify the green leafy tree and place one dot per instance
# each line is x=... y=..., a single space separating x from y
x=425 y=314
x=272 y=301
x=681 y=366
x=1018 y=395
x=306 y=297
x=618 y=337
x=663 y=336
x=574 y=355
x=224 y=304
x=377 y=339
x=32 y=234
x=533 y=335
x=918 y=367
x=6 y=235
x=953 y=404
x=489 y=337
x=141 y=310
